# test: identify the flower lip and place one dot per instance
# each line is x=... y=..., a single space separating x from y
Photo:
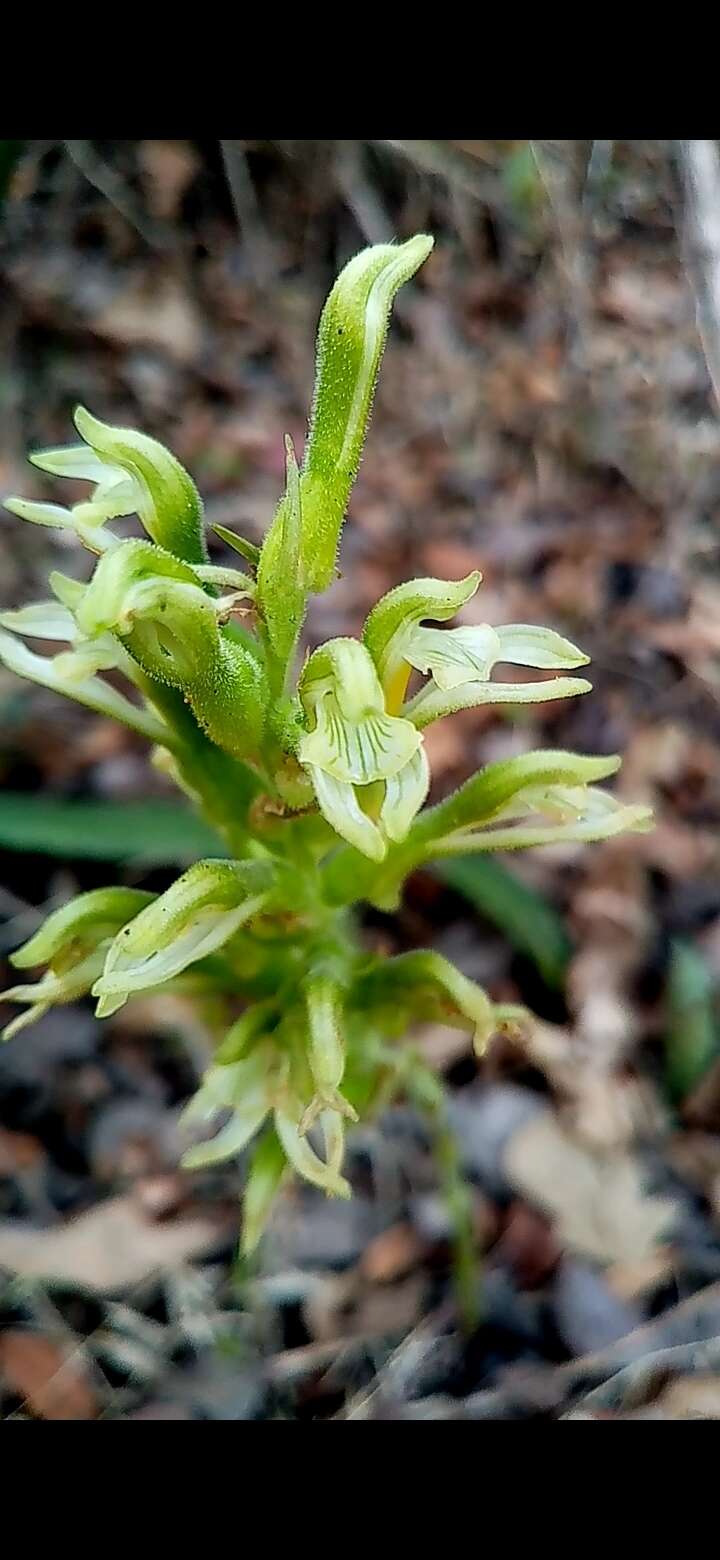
x=353 y=740
x=360 y=752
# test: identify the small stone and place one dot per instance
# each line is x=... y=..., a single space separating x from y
x=587 y=1314
x=484 y=1121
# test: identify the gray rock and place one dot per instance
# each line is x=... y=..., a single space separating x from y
x=132 y=1127
x=484 y=1120
x=314 y=1231
x=65 y=1037
x=587 y=1314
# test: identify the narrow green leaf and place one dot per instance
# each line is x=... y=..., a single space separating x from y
x=152 y=833
x=691 y=1037
x=239 y=544
x=281 y=594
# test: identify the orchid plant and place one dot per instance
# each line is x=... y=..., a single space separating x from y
x=315 y=780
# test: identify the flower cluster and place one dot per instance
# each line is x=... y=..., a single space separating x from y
x=315 y=781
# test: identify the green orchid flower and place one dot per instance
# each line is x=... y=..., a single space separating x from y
x=194 y=918
x=259 y=1086
x=460 y=661
x=354 y=746
x=131 y=474
x=73 y=943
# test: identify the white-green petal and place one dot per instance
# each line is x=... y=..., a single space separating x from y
x=435 y=703
x=30 y=1016
x=76 y=460
x=90 y=691
x=52 y=515
x=619 y=820
x=68 y=591
x=231 y=1139
x=81 y=924
x=340 y=808
x=454 y=656
x=42 y=994
x=42 y=620
x=405 y=794
x=393 y=622
x=560 y=804
x=345 y=668
x=522 y=644
x=230 y=1085
x=219 y=574
x=333 y=1131
x=208 y=930
x=93 y=655
x=304 y=1159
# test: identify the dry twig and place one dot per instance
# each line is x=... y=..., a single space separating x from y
x=699 y=166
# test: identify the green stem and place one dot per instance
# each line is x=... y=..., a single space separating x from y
x=458 y=1199
x=225 y=786
x=431 y=1098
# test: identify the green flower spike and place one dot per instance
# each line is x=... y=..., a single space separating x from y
x=354 y=744
x=198 y=915
x=316 y=783
x=72 y=942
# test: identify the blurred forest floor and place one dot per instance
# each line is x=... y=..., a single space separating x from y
x=544 y=413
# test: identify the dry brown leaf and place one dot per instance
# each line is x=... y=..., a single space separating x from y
x=691 y=1397
x=168 y=168
x=677 y=848
x=392 y=1254
x=529 y=1245
x=159 y=1196
x=603 y=1108
x=612 y=925
x=632 y=1280
x=659 y=754
x=163 y=316
x=111 y=1247
x=696 y=1157
x=47 y=1377
x=572 y=588
x=609 y=1111
x=19 y=1151
x=598 y=1201
x=346 y=1305
x=448 y=559
x=645 y=299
